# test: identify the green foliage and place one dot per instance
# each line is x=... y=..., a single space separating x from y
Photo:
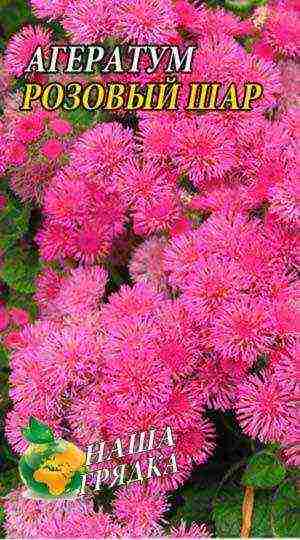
x=227 y=513
x=13 y=14
x=285 y=511
x=263 y=471
x=19 y=269
x=196 y=506
x=14 y=222
x=9 y=480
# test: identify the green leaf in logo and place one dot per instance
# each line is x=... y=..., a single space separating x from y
x=37 y=432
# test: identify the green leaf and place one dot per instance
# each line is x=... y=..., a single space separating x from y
x=285 y=511
x=37 y=432
x=14 y=223
x=227 y=513
x=8 y=480
x=20 y=269
x=264 y=471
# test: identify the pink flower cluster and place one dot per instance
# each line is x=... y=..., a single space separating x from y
x=210 y=202
x=33 y=146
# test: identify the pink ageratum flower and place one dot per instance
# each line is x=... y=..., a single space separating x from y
x=48 y=285
x=103 y=149
x=203 y=21
x=264 y=408
x=201 y=150
x=147 y=263
x=60 y=127
x=140 y=509
x=16 y=153
x=89 y=414
x=184 y=406
x=4 y=318
x=242 y=328
x=218 y=379
x=89 y=21
x=22 y=46
x=26 y=518
x=196 y=443
x=49 y=9
x=194 y=530
x=69 y=357
x=81 y=292
x=146 y=21
x=52 y=149
x=210 y=285
x=141 y=300
x=30 y=181
x=281 y=29
x=83 y=219
x=156 y=134
x=177 y=342
x=158 y=213
x=285 y=200
x=30 y=127
x=182 y=256
x=132 y=372
x=144 y=182
x=19 y=316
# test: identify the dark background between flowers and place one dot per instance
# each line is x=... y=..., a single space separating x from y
x=215 y=492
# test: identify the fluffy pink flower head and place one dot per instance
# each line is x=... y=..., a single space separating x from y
x=69 y=358
x=19 y=316
x=52 y=149
x=48 y=285
x=16 y=153
x=88 y=415
x=130 y=302
x=177 y=342
x=31 y=180
x=137 y=182
x=184 y=406
x=194 y=530
x=81 y=292
x=133 y=373
x=203 y=21
x=4 y=318
x=102 y=149
x=242 y=328
x=147 y=264
x=282 y=30
x=30 y=128
x=89 y=21
x=196 y=443
x=182 y=256
x=50 y=9
x=264 y=408
x=140 y=509
x=60 y=127
x=285 y=201
x=22 y=46
x=158 y=213
x=217 y=380
x=156 y=134
x=210 y=285
x=146 y=21
x=26 y=518
x=201 y=150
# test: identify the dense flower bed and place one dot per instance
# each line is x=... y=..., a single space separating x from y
x=164 y=288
